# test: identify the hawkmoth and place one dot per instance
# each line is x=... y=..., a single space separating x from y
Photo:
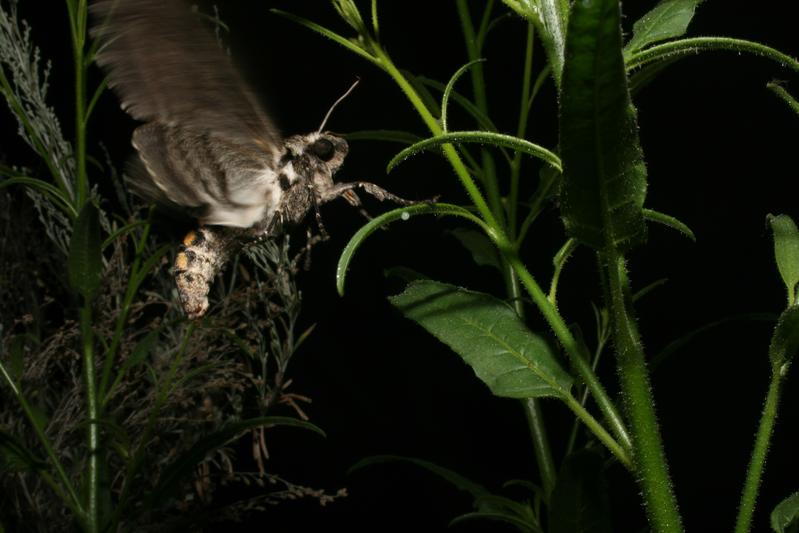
x=207 y=146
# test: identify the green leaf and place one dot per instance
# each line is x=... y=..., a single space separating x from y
x=785 y=340
x=483 y=120
x=785 y=516
x=786 y=252
x=448 y=90
x=479 y=245
x=15 y=457
x=333 y=36
x=667 y=20
x=85 y=259
x=780 y=91
x=550 y=18
x=480 y=137
x=185 y=464
x=690 y=47
x=56 y=195
x=455 y=479
x=604 y=175
x=579 y=501
x=401 y=213
x=489 y=336
x=670 y=221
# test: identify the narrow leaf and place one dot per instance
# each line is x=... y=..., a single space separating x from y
x=785 y=340
x=483 y=120
x=401 y=213
x=670 y=221
x=786 y=251
x=15 y=457
x=550 y=18
x=489 y=336
x=480 y=137
x=333 y=36
x=450 y=86
x=604 y=180
x=667 y=20
x=780 y=91
x=85 y=259
x=785 y=516
x=579 y=502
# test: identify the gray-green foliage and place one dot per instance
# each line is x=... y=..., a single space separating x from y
x=24 y=85
x=168 y=397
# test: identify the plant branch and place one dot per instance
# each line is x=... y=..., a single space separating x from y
x=754 y=473
x=650 y=459
x=695 y=45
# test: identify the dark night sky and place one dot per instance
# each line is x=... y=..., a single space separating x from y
x=719 y=148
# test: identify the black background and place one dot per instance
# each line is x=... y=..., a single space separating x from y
x=721 y=152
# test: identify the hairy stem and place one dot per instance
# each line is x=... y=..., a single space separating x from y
x=754 y=473
x=695 y=45
x=650 y=460
x=574 y=351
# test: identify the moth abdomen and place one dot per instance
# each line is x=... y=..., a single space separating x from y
x=201 y=256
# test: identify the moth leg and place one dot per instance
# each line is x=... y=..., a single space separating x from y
x=316 y=202
x=346 y=190
x=310 y=241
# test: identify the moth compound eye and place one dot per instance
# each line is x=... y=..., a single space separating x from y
x=323 y=149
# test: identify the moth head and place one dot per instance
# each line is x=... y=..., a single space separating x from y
x=328 y=148
x=316 y=154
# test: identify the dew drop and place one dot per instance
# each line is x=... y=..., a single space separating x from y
x=405 y=215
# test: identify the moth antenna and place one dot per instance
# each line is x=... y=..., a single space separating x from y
x=337 y=102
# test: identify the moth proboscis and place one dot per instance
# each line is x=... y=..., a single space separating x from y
x=207 y=146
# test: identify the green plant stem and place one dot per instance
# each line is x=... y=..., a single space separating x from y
x=71 y=497
x=78 y=12
x=93 y=434
x=650 y=459
x=138 y=456
x=754 y=473
x=599 y=431
x=122 y=319
x=521 y=132
x=695 y=45
x=601 y=341
x=496 y=233
x=543 y=451
x=449 y=151
x=575 y=352
x=474 y=44
x=532 y=408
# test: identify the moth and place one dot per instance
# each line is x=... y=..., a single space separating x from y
x=207 y=146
